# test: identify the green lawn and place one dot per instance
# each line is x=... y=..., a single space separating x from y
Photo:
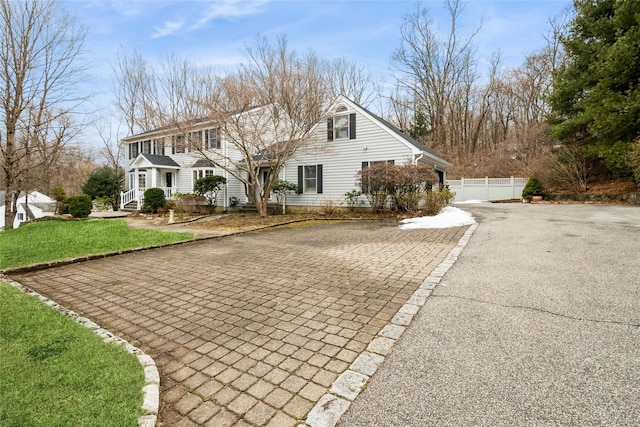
x=55 y=372
x=53 y=240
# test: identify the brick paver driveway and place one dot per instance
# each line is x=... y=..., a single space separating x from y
x=252 y=329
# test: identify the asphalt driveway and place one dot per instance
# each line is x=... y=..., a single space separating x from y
x=536 y=324
x=252 y=329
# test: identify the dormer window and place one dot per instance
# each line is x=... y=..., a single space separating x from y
x=342 y=125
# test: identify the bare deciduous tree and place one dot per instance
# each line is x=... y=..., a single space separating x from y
x=435 y=71
x=265 y=110
x=277 y=89
x=351 y=79
x=39 y=49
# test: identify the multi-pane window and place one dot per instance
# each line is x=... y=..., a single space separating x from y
x=201 y=173
x=364 y=184
x=377 y=162
x=158 y=147
x=177 y=144
x=142 y=181
x=212 y=138
x=341 y=126
x=310 y=179
x=133 y=150
x=146 y=146
x=195 y=140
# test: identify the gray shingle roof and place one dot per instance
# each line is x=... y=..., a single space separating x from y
x=158 y=160
x=203 y=163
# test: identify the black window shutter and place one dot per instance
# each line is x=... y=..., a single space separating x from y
x=319 y=179
x=352 y=126
x=300 y=180
x=330 y=129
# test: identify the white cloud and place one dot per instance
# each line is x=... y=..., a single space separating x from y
x=167 y=29
x=228 y=9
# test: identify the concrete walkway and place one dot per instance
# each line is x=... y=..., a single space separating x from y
x=253 y=329
x=537 y=323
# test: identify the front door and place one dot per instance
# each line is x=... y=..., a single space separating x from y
x=169 y=179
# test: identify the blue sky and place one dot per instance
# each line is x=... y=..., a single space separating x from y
x=214 y=32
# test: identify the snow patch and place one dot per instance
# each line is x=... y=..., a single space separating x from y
x=448 y=217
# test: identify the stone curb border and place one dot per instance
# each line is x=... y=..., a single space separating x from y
x=151 y=388
x=331 y=406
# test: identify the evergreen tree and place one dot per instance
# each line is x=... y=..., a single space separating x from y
x=596 y=95
x=105 y=182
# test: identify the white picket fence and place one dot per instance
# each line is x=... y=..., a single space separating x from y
x=489 y=189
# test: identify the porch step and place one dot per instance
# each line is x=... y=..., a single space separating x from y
x=131 y=206
x=249 y=208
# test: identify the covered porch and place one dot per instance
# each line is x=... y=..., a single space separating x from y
x=148 y=171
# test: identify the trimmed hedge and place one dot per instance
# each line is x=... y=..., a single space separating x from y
x=154 y=199
x=79 y=206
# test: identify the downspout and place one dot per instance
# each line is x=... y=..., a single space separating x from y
x=417 y=159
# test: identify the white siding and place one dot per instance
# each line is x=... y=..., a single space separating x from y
x=342 y=159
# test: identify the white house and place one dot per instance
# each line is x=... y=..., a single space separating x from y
x=28 y=207
x=350 y=139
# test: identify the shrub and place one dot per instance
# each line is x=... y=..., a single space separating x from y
x=401 y=185
x=434 y=201
x=281 y=189
x=79 y=206
x=329 y=208
x=448 y=194
x=153 y=199
x=352 y=199
x=532 y=188
x=103 y=202
x=209 y=186
x=565 y=169
x=191 y=204
x=58 y=194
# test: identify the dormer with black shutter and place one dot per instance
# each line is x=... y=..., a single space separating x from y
x=342 y=125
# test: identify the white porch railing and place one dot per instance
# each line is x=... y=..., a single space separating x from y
x=137 y=195
x=127 y=197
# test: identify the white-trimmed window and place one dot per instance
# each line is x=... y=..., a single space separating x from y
x=146 y=147
x=201 y=173
x=310 y=179
x=342 y=125
x=178 y=144
x=133 y=150
x=365 y=185
x=158 y=147
x=195 y=140
x=212 y=139
x=20 y=216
